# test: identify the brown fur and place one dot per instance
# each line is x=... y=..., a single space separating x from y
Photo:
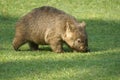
x=48 y=25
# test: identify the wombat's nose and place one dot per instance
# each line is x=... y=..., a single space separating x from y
x=85 y=49
x=82 y=48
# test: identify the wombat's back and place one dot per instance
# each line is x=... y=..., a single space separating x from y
x=49 y=10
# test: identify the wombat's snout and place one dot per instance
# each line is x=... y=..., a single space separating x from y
x=84 y=49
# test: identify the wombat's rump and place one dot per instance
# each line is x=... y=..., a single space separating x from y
x=48 y=25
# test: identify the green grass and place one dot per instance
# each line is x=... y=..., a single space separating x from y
x=103 y=27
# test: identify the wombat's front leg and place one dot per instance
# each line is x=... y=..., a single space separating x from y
x=57 y=46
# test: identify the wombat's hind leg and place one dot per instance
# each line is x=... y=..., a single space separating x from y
x=17 y=42
x=33 y=46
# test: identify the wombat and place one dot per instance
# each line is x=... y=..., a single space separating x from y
x=48 y=25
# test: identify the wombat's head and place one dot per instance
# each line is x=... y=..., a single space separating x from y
x=75 y=36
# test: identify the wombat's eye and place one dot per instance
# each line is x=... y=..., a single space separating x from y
x=79 y=40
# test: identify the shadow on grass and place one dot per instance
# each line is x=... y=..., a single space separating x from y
x=102 y=35
x=85 y=67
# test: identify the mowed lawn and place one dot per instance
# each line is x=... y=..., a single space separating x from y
x=103 y=28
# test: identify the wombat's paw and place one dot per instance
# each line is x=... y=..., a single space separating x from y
x=59 y=51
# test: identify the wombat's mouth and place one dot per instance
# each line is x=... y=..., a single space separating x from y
x=87 y=50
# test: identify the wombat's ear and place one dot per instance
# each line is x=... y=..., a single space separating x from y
x=69 y=27
x=82 y=24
